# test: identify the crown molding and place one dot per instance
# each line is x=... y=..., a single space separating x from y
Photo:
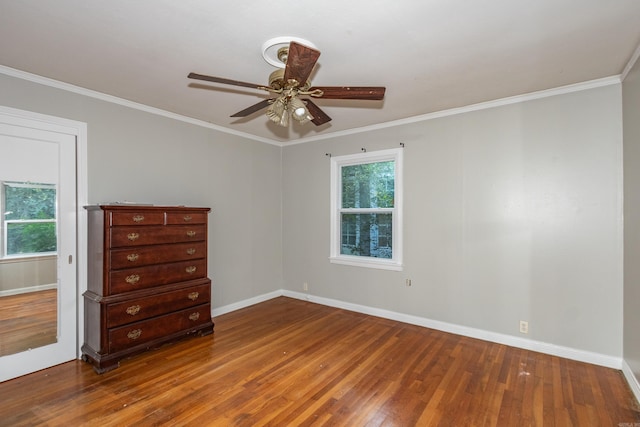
x=591 y=84
x=577 y=87
x=630 y=64
x=126 y=103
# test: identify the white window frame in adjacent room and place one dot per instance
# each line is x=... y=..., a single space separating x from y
x=393 y=263
x=5 y=223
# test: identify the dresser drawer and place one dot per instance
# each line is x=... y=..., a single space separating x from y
x=143 y=308
x=137 y=218
x=152 y=235
x=147 y=255
x=133 y=279
x=177 y=218
x=138 y=333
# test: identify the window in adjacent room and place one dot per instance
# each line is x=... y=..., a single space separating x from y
x=366 y=209
x=29 y=219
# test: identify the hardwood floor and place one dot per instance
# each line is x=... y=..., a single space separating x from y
x=28 y=320
x=286 y=362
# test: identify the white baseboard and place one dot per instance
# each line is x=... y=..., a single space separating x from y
x=631 y=379
x=27 y=290
x=542 y=347
x=245 y=303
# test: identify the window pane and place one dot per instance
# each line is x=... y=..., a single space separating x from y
x=29 y=218
x=366 y=235
x=30 y=201
x=369 y=185
x=32 y=237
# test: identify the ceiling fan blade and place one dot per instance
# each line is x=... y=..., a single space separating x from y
x=372 y=93
x=319 y=116
x=255 y=107
x=300 y=62
x=223 y=81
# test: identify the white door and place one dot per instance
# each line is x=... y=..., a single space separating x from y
x=35 y=154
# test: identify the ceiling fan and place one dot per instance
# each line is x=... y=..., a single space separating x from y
x=288 y=85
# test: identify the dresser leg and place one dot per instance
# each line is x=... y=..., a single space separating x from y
x=206 y=331
x=100 y=366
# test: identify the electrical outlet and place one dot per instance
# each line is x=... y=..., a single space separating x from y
x=524 y=327
x=305 y=286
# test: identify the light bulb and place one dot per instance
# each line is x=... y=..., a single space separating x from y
x=300 y=112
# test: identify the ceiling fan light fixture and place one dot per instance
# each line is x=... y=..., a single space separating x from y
x=299 y=111
x=278 y=112
x=285 y=107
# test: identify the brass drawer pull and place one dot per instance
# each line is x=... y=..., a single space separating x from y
x=133 y=236
x=191 y=269
x=187 y=218
x=191 y=233
x=194 y=316
x=133 y=310
x=193 y=296
x=133 y=257
x=191 y=251
x=138 y=218
x=135 y=334
x=133 y=279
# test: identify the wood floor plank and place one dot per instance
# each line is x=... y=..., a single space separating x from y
x=287 y=362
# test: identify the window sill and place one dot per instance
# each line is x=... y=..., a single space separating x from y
x=377 y=263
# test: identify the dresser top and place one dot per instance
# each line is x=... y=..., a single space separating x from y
x=132 y=207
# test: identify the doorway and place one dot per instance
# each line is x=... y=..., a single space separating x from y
x=42 y=191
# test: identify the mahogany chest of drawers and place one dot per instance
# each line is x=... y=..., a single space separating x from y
x=147 y=280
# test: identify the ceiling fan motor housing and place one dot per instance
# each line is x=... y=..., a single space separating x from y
x=276 y=79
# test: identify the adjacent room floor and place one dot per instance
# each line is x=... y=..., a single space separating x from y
x=28 y=321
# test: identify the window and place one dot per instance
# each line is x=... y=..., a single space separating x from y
x=366 y=209
x=29 y=223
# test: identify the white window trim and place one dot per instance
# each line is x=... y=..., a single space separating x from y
x=335 y=257
x=4 y=223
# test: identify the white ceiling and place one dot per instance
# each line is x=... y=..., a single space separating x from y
x=431 y=55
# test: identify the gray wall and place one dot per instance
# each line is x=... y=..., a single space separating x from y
x=511 y=213
x=27 y=274
x=631 y=107
x=142 y=157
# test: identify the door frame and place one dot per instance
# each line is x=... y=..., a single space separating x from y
x=79 y=131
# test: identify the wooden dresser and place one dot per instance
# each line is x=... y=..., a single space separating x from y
x=147 y=282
